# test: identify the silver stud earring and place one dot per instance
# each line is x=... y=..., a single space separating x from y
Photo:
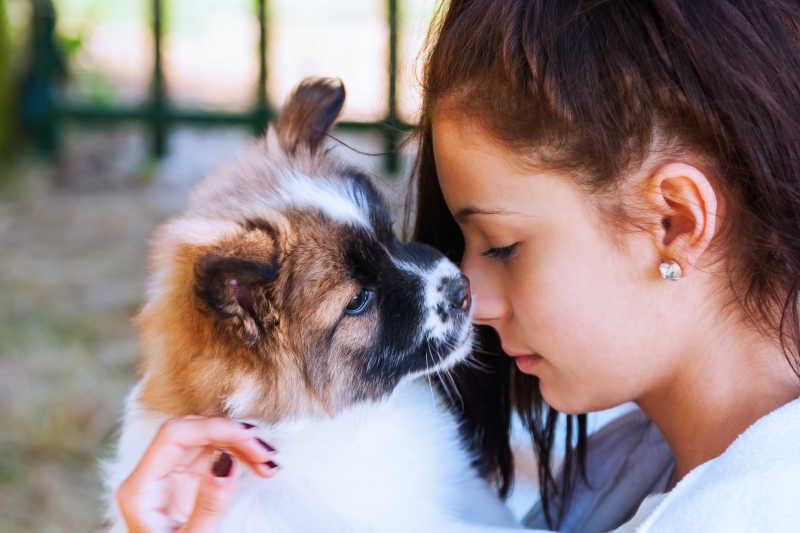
x=670 y=270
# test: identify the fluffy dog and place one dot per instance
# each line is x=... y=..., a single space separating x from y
x=282 y=297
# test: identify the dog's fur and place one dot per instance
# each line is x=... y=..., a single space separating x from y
x=282 y=297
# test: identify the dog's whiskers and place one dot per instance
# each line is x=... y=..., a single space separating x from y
x=455 y=388
x=428 y=360
x=471 y=362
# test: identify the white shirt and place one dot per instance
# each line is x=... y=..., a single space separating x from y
x=642 y=514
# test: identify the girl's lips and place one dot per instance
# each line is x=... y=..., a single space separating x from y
x=526 y=363
x=512 y=353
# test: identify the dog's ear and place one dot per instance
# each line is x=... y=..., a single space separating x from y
x=309 y=114
x=238 y=291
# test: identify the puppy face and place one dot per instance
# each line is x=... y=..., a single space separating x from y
x=282 y=289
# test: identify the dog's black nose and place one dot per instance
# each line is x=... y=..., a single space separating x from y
x=457 y=293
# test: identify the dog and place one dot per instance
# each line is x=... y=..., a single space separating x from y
x=281 y=297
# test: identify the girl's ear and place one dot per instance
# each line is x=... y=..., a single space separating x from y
x=686 y=203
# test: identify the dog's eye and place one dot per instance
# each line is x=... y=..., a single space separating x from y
x=360 y=302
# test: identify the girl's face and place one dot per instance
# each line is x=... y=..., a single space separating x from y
x=573 y=307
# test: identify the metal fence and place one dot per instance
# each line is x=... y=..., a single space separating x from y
x=44 y=109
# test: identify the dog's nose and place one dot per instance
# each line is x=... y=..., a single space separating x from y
x=457 y=293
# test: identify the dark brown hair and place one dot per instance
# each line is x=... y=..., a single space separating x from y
x=597 y=84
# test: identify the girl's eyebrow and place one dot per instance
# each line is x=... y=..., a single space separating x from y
x=466 y=212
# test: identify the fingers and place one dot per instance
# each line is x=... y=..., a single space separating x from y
x=128 y=500
x=178 y=447
x=177 y=439
x=199 y=465
x=215 y=494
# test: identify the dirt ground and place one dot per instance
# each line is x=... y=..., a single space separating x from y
x=73 y=247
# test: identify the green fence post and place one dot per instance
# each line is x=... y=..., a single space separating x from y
x=263 y=111
x=5 y=81
x=46 y=64
x=158 y=107
x=390 y=132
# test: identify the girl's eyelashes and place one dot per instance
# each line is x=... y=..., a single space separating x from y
x=502 y=254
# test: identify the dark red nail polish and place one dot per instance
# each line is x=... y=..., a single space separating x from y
x=271 y=464
x=223 y=465
x=246 y=425
x=265 y=445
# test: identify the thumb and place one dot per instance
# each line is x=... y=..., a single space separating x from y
x=214 y=496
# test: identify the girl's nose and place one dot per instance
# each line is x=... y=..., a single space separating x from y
x=488 y=304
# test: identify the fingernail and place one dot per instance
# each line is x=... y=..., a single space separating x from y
x=265 y=445
x=246 y=425
x=223 y=465
x=271 y=464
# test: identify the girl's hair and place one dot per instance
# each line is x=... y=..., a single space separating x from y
x=594 y=87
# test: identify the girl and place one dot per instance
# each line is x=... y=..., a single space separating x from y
x=619 y=180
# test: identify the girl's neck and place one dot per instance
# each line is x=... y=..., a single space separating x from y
x=715 y=395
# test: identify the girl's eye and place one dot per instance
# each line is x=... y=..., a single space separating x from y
x=502 y=254
x=360 y=302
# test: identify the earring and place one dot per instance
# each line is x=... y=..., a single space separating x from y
x=670 y=270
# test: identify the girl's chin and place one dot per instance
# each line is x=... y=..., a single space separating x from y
x=562 y=402
x=559 y=398
x=571 y=403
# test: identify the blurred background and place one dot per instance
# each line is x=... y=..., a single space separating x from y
x=109 y=111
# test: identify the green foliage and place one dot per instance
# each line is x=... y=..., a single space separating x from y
x=5 y=81
x=71 y=44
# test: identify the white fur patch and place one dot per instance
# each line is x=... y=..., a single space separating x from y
x=243 y=401
x=433 y=326
x=340 y=203
x=397 y=465
x=201 y=231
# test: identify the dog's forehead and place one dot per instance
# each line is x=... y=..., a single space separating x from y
x=372 y=202
x=345 y=196
x=261 y=182
x=342 y=219
x=338 y=199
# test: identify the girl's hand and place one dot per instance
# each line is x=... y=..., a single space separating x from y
x=186 y=480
